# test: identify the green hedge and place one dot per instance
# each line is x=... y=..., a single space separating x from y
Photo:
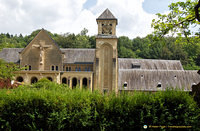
x=56 y=107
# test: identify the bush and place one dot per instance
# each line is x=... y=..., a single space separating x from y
x=51 y=108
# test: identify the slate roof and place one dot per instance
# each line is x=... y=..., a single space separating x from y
x=72 y=55
x=78 y=55
x=106 y=15
x=146 y=74
x=10 y=54
x=150 y=64
x=148 y=80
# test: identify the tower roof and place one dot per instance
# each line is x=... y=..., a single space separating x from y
x=106 y=15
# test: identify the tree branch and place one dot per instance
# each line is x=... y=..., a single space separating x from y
x=196 y=8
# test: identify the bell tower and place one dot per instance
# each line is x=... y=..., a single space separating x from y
x=106 y=63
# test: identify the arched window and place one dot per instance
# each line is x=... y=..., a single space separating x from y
x=57 y=68
x=84 y=83
x=25 y=67
x=52 y=68
x=64 y=80
x=20 y=79
x=29 y=68
x=49 y=78
x=34 y=80
x=74 y=82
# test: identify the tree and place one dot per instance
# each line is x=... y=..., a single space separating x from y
x=7 y=70
x=180 y=19
x=197 y=11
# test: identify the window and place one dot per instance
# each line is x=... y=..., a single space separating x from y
x=76 y=69
x=88 y=68
x=125 y=85
x=57 y=68
x=105 y=91
x=26 y=67
x=29 y=67
x=135 y=65
x=159 y=85
x=52 y=68
x=79 y=69
x=85 y=68
x=67 y=69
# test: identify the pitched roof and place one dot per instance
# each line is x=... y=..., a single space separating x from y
x=78 y=55
x=148 y=80
x=42 y=32
x=10 y=54
x=106 y=15
x=71 y=55
x=150 y=64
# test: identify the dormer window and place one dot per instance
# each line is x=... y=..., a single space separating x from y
x=135 y=66
x=159 y=85
x=125 y=85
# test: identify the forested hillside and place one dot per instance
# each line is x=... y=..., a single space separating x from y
x=149 y=47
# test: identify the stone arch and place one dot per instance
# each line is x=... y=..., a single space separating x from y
x=74 y=82
x=106 y=62
x=85 y=83
x=34 y=80
x=50 y=78
x=20 y=79
x=64 y=80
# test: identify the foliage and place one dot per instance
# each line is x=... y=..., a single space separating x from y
x=29 y=108
x=179 y=20
x=7 y=69
x=150 y=47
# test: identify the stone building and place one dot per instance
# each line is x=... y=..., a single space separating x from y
x=98 y=68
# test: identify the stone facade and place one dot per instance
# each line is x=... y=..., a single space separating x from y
x=96 y=69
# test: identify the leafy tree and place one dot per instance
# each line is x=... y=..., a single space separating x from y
x=179 y=20
x=7 y=69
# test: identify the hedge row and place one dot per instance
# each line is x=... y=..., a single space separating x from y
x=56 y=107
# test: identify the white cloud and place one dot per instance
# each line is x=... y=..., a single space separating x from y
x=61 y=16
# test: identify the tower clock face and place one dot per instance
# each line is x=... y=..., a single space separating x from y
x=106 y=29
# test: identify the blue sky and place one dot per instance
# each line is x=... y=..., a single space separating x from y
x=63 y=16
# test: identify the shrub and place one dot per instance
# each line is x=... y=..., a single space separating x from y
x=51 y=108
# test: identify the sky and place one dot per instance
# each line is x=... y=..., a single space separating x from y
x=72 y=16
